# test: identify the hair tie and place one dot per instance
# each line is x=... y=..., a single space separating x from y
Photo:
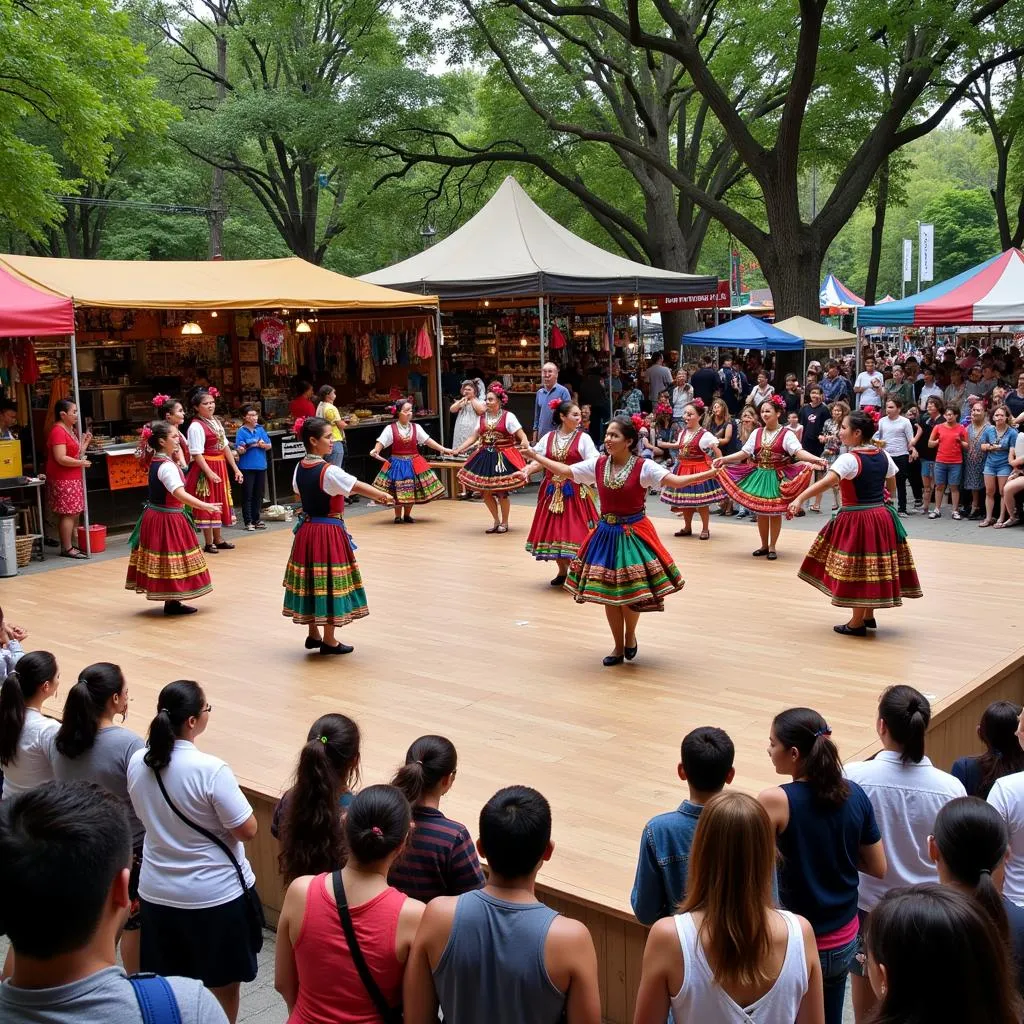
x=823 y=732
x=420 y=763
x=323 y=740
x=163 y=711
x=985 y=871
x=376 y=830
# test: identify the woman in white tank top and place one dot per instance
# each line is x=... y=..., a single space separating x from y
x=729 y=957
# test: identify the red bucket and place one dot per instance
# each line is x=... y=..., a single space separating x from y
x=97 y=538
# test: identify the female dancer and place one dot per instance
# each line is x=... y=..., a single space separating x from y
x=171 y=410
x=861 y=556
x=565 y=514
x=166 y=563
x=323 y=586
x=496 y=467
x=769 y=479
x=406 y=477
x=694 y=444
x=211 y=458
x=622 y=564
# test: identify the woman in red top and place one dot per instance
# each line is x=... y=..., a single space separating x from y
x=314 y=969
x=950 y=438
x=301 y=406
x=65 y=487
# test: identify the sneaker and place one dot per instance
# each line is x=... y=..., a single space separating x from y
x=904 y=514
x=249 y=527
x=918 y=504
x=260 y=525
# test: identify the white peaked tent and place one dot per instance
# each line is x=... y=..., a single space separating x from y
x=512 y=247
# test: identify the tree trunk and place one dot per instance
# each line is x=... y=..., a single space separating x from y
x=881 y=203
x=217 y=185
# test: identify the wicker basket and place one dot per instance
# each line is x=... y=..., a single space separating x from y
x=23 y=545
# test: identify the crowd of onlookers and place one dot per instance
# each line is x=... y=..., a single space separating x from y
x=890 y=871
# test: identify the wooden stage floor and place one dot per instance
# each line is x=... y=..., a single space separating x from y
x=466 y=638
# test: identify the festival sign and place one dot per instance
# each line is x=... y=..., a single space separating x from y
x=722 y=298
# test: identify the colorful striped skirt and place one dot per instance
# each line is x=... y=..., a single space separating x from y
x=564 y=517
x=763 y=490
x=322 y=582
x=861 y=559
x=410 y=481
x=693 y=495
x=493 y=469
x=199 y=486
x=623 y=563
x=166 y=563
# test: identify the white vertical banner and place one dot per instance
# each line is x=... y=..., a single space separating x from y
x=926 y=252
x=908 y=260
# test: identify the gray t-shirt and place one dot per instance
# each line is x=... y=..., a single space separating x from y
x=104 y=996
x=106 y=763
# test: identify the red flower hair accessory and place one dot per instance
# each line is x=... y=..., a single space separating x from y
x=297 y=425
x=159 y=400
x=146 y=432
x=554 y=404
x=698 y=404
x=637 y=420
x=499 y=392
x=778 y=401
x=213 y=392
x=663 y=409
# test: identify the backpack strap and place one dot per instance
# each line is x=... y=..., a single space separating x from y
x=157 y=1003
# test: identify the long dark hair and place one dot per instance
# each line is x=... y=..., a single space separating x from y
x=906 y=713
x=312 y=428
x=84 y=707
x=311 y=834
x=178 y=702
x=972 y=839
x=20 y=686
x=1003 y=754
x=429 y=760
x=918 y=933
x=197 y=395
x=806 y=730
x=377 y=823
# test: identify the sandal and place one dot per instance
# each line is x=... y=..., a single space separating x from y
x=705 y=535
x=503 y=528
x=72 y=552
x=957 y=516
x=684 y=532
x=494 y=529
x=934 y=515
x=1003 y=524
x=985 y=522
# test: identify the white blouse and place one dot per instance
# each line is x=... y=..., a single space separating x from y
x=511 y=423
x=336 y=481
x=387 y=436
x=846 y=466
x=588 y=450
x=651 y=474
x=790 y=442
x=707 y=442
x=170 y=476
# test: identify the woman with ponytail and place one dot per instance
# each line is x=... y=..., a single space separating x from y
x=27 y=752
x=91 y=748
x=440 y=859
x=307 y=819
x=165 y=562
x=969 y=846
x=315 y=971
x=1003 y=754
x=196 y=918
x=907 y=792
x=825 y=830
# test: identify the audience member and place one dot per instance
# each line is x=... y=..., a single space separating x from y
x=895 y=431
x=681 y=396
x=729 y=955
x=997 y=441
x=868 y=386
x=927 y=388
x=10 y=646
x=900 y=388
x=658 y=376
x=301 y=406
x=948 y=440
x=969 y=847
x=1007 y=797
x=440 y=858
x=706 y=382
x=972 y=483
x=252 y=442
x=934 y=958
x=732 y=383
x=761 y=391
x=1003 y=754
x=906 y=792
x=307 y=819
x=835 y=386
x=705 y=765
x=496 y=954
x=68 y=846
x=26 y=735
x=825 y=829
x=197 y=914
x=344 y=935
x=91 y=748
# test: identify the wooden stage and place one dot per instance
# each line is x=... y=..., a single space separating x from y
x=466 y=638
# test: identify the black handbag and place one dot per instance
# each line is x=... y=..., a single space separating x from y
x=388 y=1014
x=253 y=905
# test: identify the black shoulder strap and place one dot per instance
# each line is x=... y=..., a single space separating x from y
x=388 y=1013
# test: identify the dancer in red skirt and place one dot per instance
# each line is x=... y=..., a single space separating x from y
x=622 y=564
x=171 y=410
x=565 y=512
x=495 y=468
x=406 y=476
x=695 y=444
x=166 y=563
x=323 y=586
x=208 y=476
x=861 y=557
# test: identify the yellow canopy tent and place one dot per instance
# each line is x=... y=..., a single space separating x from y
x=816 y=335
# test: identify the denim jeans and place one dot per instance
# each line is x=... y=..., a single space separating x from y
x=337 y=456
x=253 y=483
x=835 y=966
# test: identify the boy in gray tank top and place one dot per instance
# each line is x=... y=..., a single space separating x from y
x=497 y=954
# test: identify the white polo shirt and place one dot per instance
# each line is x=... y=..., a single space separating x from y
x=906 y=798
x=1007 y=797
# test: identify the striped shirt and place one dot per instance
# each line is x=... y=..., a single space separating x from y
x=440 y=859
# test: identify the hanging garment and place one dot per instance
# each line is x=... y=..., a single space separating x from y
x=424 y=349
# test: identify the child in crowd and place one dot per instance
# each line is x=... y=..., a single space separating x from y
x=950 y=440
x=706 y=766
x=252 y=443
x=793 y=422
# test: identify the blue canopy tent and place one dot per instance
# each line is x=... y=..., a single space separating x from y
x=746 y=332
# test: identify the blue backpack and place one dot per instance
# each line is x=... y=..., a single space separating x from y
x=156 y=999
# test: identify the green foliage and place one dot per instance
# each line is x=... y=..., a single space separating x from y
x=965 y=230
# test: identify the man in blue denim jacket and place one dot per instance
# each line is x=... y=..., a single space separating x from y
x=706 y=768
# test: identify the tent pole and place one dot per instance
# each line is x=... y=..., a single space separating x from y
x=438 y=331
x=611 y=361
x=543 y=333
x=81 y=432
x=856 y=330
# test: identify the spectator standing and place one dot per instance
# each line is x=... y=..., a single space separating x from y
x=792 y=394
x=682 y=396
x=927 y=388
x=658 y=377
x=997 y=441
x=1008 y=513
x=252 y=442
x=868 y=387
x=948 y=441
x=1015 y=402
x=65 y=488
x=440 y=858
x=316 y=964
x=706 y=766
x=705 y=382
x=834 y=386
x=832 y=446
x=497 y=954
x=900 y=388
x=761 y=392
x=729 y=955
x=974 y=387
x=955 y=393
x=68 y=846
x=327 y=410
x=27 y=752
x=906 y=792
x=197 y=916
x=1003 y=755
x=989 y=378
x=543 y=417
x=632 y=397
x=973 y=481
x=469 y=409
x=926 y=421
x=91 y=748
x=897 y=433
x=825 y=828
x=593 y=393
x=301 y=406
x=813 y=417
x=733 y=384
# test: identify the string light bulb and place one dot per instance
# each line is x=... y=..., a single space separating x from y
x=302 y=327
x=191 y=327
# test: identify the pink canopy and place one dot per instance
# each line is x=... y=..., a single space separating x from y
x=28 y=310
